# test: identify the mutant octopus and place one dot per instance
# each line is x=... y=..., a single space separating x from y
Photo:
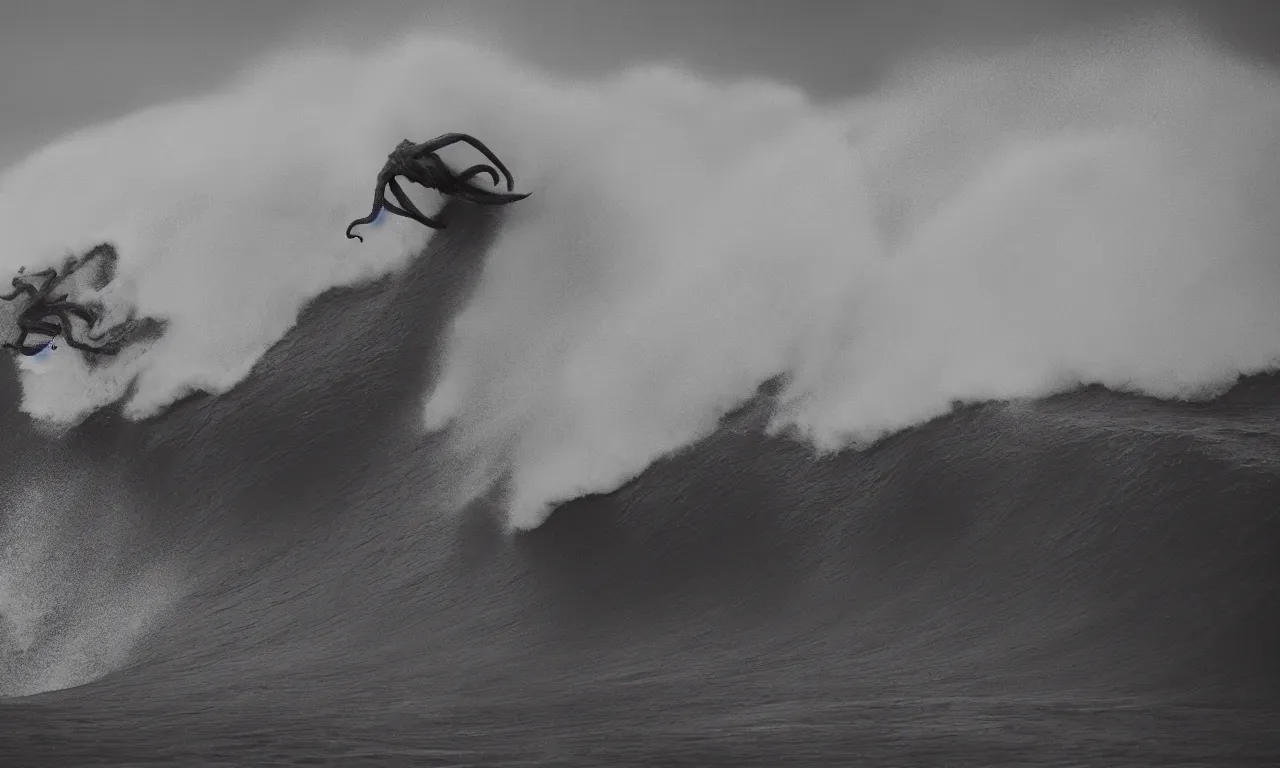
x=419 y=163
x=47 y=314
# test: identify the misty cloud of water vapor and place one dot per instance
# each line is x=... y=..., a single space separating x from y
x=1003 y=227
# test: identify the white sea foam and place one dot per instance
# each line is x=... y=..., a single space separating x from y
x=995 y=227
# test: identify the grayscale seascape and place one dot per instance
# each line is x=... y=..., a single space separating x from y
x=909 y=401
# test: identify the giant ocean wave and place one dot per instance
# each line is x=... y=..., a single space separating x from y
x=704 y=269
x=997 y=228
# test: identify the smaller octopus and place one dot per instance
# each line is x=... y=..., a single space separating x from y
x=419 y=163
x=51 y=315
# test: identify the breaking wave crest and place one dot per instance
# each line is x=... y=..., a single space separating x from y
x=994 y=227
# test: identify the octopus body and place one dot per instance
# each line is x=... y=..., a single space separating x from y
x=419 y=163
x=53 y=315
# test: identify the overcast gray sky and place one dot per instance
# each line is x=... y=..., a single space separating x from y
x=68 y=63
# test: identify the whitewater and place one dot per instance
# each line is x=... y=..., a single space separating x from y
x=996 y=227
x=939 y=422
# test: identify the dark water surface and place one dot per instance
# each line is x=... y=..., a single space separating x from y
x=1088 y=580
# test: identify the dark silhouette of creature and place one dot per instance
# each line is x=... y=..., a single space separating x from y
x=51 y=315
x=419 y=163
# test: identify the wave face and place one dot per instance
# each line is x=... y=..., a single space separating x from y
x=918 y=410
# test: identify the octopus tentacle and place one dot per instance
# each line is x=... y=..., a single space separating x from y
x=101 y=334
x=487 y=197
x=55 y=315
x=27 y=284
x=67 y=308
x=404 y=204
x=476 y=170
x=52 y=280
x=105 y=349
x=419 y=164
x=446 y=139
x=63 y=313
x=115 y=330
x=41 y=326
x=379 y=200
x=20 y=287
x=429 y=176
x=412 y=211
x=397 y=210
x=21 y=345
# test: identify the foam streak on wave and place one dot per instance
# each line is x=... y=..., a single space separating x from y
x=995 y=228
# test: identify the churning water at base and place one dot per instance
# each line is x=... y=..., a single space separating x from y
x=824 y=399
